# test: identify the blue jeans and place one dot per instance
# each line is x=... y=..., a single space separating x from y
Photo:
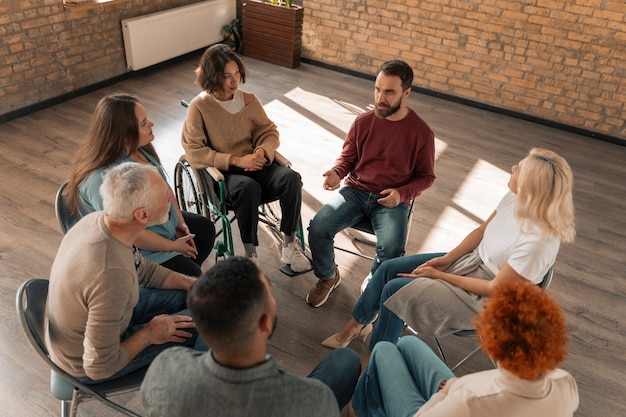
x=384 y=283
x=153 y=302
x=340 y=370
x=399 y=379
x=347 y=208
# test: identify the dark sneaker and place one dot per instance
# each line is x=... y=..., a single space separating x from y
x=320 y=293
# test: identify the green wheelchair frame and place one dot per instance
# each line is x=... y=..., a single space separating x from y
x=203 y=191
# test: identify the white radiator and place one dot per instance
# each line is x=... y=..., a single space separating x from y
x=160 y=36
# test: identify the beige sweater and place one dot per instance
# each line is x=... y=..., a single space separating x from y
x=93 y=290
x=211 y=134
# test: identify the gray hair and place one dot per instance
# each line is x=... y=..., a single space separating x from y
x=125 y=188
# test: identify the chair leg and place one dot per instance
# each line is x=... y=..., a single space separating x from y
x=65 y=408
x=443 y=357
x=74 y=404
x=300 y=235
x=465 y=359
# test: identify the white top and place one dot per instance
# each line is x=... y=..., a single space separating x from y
x=498 y=393
x=522 y=245
x=234 y=105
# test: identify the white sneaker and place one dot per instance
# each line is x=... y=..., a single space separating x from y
x=292 y=255
x=254 y=259
x=365 y=282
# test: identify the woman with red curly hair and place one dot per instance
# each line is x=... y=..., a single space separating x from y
x=521 y=328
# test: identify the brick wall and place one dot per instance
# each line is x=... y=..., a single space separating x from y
x=47 y=51
x=560 y=60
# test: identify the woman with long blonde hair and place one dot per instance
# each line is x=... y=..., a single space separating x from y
x=439 y=293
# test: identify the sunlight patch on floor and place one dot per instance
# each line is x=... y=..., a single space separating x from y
x=338 y=113
x=311 y=148
x=483 y=187
x=472 y=204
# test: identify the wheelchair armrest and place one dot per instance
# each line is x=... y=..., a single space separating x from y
x=281 y=160
x=215 y=173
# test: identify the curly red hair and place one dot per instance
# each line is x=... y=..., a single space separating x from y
x=523 y=330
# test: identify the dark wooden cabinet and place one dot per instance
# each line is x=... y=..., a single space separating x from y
x=272 y=33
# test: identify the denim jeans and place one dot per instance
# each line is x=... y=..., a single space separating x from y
x=347 y=208
x=340 y=370
x=399 y=379
x=153 y=302
x=384 y=283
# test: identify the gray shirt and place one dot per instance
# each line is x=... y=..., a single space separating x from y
x=184 y=382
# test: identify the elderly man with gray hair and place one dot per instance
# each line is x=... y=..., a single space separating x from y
x=103 y=324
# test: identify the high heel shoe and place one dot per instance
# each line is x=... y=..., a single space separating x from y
x=333 y=343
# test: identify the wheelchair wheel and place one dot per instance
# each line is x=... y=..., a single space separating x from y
x=187 y=193
x=271 y=214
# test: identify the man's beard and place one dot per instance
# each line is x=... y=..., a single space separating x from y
x=163 y=219
x=387 y=110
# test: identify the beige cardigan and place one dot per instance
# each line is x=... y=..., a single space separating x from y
x=211 y=134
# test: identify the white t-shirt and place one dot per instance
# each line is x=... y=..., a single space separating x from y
x=523 y=246
x=234 y=105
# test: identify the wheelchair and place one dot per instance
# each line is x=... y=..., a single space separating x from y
x=203 y=191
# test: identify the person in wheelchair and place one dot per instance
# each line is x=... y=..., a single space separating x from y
x=228 y=129
x=121 y=132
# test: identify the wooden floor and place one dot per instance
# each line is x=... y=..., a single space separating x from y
x=313 y=109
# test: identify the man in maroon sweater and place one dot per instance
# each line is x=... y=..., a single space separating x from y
x=388 y=159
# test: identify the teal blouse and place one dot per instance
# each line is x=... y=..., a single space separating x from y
x=91 y=200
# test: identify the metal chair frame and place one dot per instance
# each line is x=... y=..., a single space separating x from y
x=31 y=302
x=544 y=284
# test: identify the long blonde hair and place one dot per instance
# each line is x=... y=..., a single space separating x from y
x=544 y=193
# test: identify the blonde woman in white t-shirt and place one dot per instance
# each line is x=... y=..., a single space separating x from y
x=439 y=293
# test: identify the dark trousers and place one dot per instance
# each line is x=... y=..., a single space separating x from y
x=204 y=231
x=247 y=190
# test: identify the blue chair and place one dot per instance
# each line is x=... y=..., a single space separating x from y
x=63 y=213
x=31 y=310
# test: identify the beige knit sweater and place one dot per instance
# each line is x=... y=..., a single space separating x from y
x=211 y=134
x=94 y=286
